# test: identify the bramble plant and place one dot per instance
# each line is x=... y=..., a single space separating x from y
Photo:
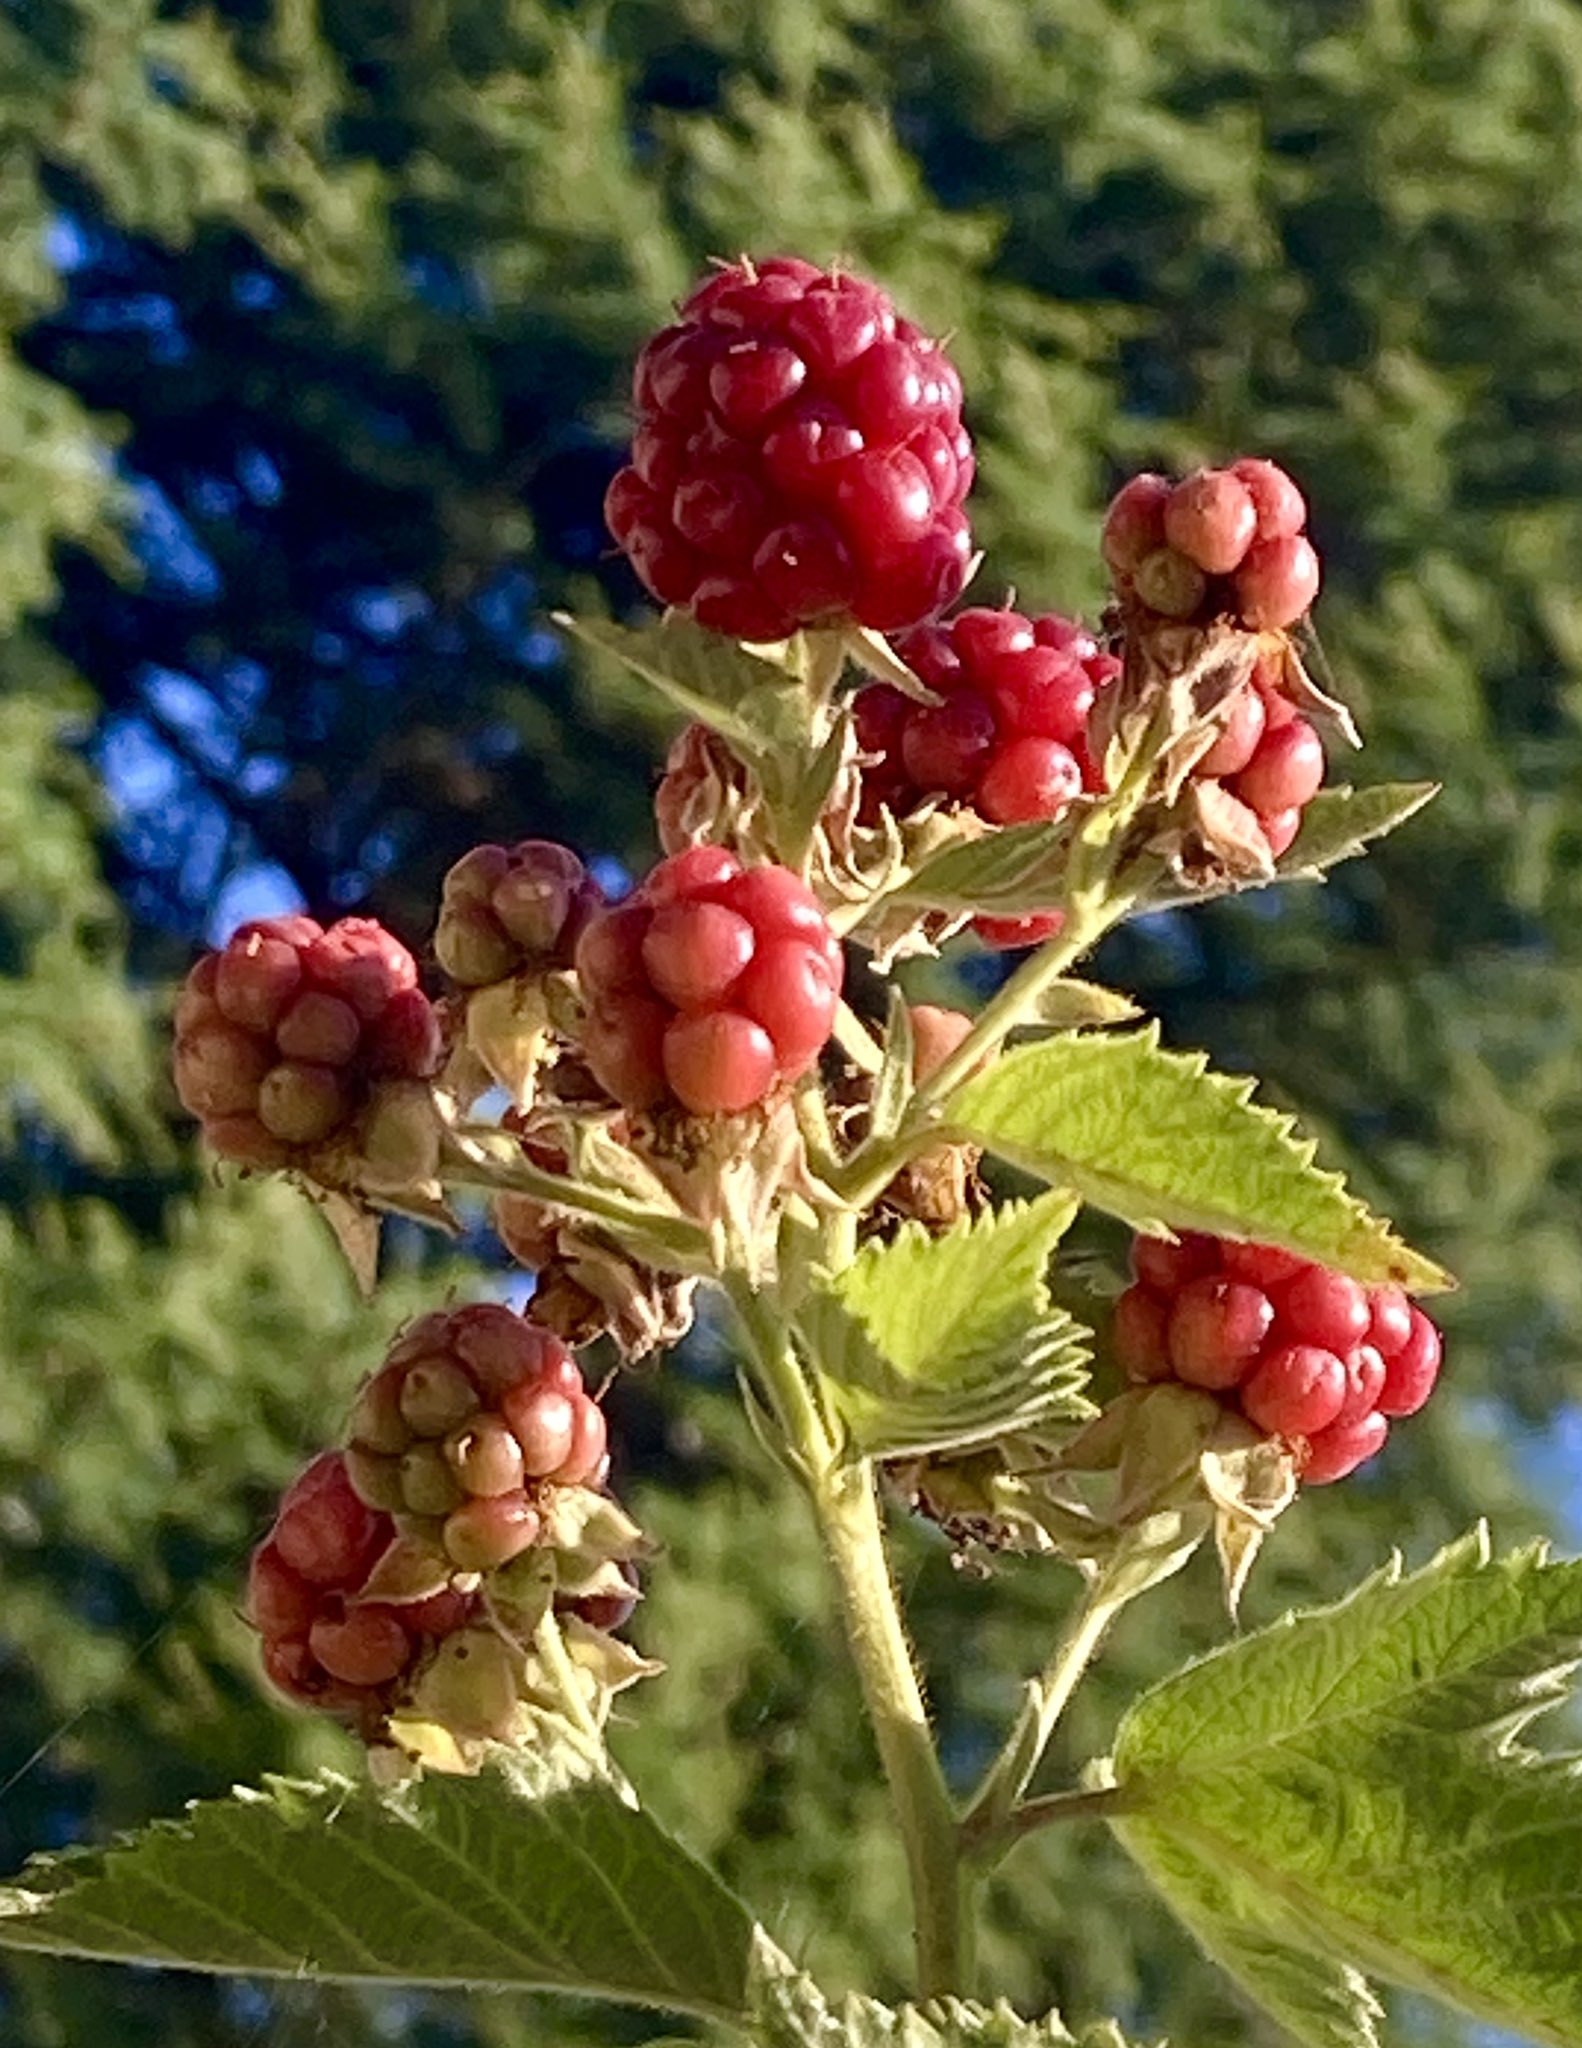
x=716 y=1082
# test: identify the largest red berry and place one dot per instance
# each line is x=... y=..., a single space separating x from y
x=799 y=457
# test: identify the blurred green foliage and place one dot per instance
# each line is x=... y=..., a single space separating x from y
x=315 y=323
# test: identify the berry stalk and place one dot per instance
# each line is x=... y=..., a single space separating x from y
x=845 y=1503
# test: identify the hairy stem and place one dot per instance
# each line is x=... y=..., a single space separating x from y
x=988 y=1842
x=846 y=1506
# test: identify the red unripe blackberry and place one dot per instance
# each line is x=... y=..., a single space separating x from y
x=944 y=750
x=1285 y=772
x=1028 y=779
x=1390 y=1325
x=283 y=1035
x=718 y=1062
x=280 y=1602
x=1265 y=1265
x=709 y=985
x=1239 y=736
x=1410 y=1374
x=1277 y=582
x=1295 y=1390
x=1301 y=1351
x=1210 y=518
x=1280 y=829
x=324 y=1533
x=1216 y=1329
x=543 y=1421
x=1280 y=507
x=694 y=951
x=482 y=1535
x=1364 y=1383
x=1323 y=1307
x=587 y=1460
x=1336 y=1452
x=485 y=1457
x=368 y=1647
x=1134 y=526
x=1166 y=1268
x=1138 y=1335
x=1005 y=934
x=799 y=456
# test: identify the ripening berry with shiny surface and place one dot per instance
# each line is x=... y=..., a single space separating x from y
x=799 y=457
x=1304 y=1353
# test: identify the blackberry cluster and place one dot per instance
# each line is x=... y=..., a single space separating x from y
x=709 y=985
x=799 y=457
x=1222 y=543
x=282 y=1035
x=1303 y=1352
x=322 y=1644
x=503 y=908
x=474 y=1414
x=1010 y=739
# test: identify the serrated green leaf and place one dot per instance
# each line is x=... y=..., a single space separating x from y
x=1019 y=868
x=1156 y=1139
x=790 y=2011
x=933 y=1343
x=1350 y=1785
x=524 y=1877
x=753 y=703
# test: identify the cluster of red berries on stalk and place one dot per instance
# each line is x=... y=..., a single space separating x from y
x=1010 y=740
x=1221 y=543
x=799 y=457
x=282 y=1034
x=507 y=907
x=455 y=1445
x=710 y=984
x=1304 y=1352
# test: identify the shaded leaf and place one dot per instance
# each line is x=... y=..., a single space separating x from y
x=524 y=1877
x=755 y=704
x=1018 y=868
x=1156 y=1139
x=1350 y=1786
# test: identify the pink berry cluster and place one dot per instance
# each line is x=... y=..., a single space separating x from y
x=503 y=908
x=322 y=1643
x=799 y=457
x=1221 y=543
x=282 y=1035
x=474 y=1414
x=379 y=1551
x=708 y=985
x=1304 y=1353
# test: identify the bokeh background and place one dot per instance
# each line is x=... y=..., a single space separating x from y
x=316 y=319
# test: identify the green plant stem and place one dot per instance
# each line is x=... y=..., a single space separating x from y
x=846 y=1505
x=988 y=1843
x=992 y=1805
x=848 y=1512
